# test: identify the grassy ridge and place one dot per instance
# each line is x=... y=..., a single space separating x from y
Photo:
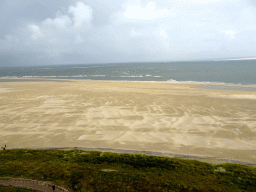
x=105 y=171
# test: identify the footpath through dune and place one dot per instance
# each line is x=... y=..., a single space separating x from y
x=30 y=184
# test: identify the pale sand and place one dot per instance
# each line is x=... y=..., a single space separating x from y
x=145 y=116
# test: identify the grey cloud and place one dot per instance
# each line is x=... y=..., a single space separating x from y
x=125 y=31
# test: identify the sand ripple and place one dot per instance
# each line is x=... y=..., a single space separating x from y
x=154 y=116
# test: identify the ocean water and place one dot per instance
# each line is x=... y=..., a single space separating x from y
x=239 y=72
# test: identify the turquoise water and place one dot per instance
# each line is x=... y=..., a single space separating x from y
x=222 y=72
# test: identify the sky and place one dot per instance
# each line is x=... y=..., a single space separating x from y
x=46 y=32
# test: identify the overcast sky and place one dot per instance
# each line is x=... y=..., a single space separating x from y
x=43 y=32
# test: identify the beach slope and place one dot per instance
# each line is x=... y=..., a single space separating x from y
x=152 y=116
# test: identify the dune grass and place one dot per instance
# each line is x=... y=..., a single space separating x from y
x=104 y=171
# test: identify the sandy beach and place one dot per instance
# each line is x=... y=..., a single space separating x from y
x=153 y=116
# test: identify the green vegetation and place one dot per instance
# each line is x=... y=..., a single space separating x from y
x=103 y=171
x=15 y=189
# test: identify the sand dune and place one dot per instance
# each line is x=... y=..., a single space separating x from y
x=164 y=117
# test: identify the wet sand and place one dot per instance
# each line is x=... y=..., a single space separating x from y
x=173 y=118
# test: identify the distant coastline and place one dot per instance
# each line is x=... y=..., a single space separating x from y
x=241 y=59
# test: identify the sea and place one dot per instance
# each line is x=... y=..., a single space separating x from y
x=225 y=72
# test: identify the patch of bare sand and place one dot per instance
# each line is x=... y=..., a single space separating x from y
x=129 y=115
x=5 y=90
x=239 y=96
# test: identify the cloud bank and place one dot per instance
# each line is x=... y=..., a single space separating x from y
x=136 y=31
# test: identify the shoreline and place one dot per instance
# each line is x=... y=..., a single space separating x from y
x=196 y=84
